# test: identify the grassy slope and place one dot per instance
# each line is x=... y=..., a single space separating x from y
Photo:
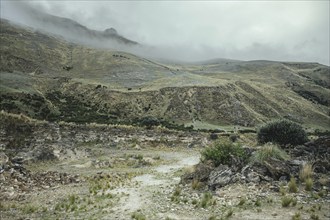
x=225 y=92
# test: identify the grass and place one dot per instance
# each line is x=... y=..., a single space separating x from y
x=257 y=203
x=286 y=201
x=29 y=209
x=309 y=184
x=196 y=184
x=297 y=216
x=306 y=172
x=207 y=200
x=241 y=201
x=138 y=216
x=293 y=185
x=268 y=151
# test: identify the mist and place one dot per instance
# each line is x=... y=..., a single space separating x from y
x=190 y=30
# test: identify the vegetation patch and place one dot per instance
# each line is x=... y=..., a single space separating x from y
x=222 y=151
x=282 y=132
x=268 y=151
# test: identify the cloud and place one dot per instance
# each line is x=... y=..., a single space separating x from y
x=199 y=30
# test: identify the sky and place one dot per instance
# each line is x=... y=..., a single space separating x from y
x=201 y=30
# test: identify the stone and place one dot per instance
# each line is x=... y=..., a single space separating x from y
x=219 y=177
x=277 y=168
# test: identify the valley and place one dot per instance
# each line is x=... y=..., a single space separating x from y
x=98 y=133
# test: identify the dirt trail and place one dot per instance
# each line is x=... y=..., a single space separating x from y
x=161 y=177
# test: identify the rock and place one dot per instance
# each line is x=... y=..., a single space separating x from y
x=219 y=177
x=201 y=173
x=137 y=147
x=17 y=160
x=277 y=168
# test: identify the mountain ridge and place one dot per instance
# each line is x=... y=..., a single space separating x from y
x=106 y=86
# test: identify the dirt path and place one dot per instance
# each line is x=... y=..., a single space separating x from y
x=157 y=179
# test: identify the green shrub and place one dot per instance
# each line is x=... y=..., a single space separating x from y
x=220 y=152
x=282 y=132
x=233 y=137
x=268 y=151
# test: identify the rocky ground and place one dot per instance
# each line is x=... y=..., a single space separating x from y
x=66 y=171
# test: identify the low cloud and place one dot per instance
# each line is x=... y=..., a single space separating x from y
x=197 y=30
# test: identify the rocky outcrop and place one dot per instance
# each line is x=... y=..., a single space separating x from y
x=271 y=170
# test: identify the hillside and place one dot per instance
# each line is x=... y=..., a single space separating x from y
x=46 y=77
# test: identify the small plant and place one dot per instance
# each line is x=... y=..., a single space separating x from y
x=221 y=153
x=297 y=216
x=282 y=132
x=242 y=201
x=207 y=200
x=212 y=218
x=282 y=190
x=229 y=213
x=176 y=194
x=138 y=216
x=233 y=137
x=286 y=201
x=177 y=191
x=257 y=203
x=293 y=185
x=306 y=172
x=194 y=202
x=268 y=151
x=196 y=184
x=28 y=209
x=314 y=216
x=294 y=202
x=309 y=184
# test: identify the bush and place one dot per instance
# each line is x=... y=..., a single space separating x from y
x=149 y=122
x=268 y=151
x=282 y=132
x=221 y=153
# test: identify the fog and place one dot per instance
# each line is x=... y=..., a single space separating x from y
x=196 y=30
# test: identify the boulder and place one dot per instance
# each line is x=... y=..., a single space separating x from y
x=201 y=173
x=220 y=176
x=278 y=168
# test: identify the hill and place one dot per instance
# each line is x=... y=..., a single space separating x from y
x=46 y=77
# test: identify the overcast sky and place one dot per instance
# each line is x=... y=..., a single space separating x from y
x=199 y=30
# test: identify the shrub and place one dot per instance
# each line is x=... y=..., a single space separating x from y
x=221 y=152
x=149 y=122
x=269 y=150
x=282 y=132
x=233 y=138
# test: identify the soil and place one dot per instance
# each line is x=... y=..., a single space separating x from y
x=145 y=183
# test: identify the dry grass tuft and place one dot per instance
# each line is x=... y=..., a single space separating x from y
x=306 y=172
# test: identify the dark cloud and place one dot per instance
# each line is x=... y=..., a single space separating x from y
x=199 y=30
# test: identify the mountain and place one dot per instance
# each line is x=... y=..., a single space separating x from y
x=46 y=77
x=71 y=30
